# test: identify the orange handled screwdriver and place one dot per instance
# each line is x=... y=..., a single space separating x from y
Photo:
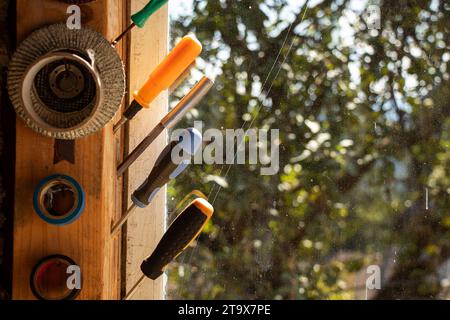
x=165 y=74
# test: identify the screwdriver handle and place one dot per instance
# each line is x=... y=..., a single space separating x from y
x=159 y=176
x=168 y=71
x=186 y=227
x=141 y=17
x=165 y=169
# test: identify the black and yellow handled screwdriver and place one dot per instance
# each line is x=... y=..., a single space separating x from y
x=140 y=18
x=165 y=74
x=183 y=230
x=165 y=169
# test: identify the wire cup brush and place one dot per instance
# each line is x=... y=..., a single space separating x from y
x=66 y=84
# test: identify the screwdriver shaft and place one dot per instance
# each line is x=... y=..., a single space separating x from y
x=116 y=41
x=131 y=158
x=115 y=229
x=134 y=288
x=119 y=124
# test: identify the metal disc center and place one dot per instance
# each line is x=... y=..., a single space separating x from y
x=66 y=81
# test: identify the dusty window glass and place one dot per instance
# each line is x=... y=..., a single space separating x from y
x=359 y=208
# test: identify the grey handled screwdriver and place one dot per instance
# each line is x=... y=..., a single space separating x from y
x=188 y=102
x=183 y=230
x=164 y=170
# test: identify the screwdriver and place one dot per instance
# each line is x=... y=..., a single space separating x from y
x=186 y=73
x=140 y=18
x=165 y=74
x=164 y=170
x=188 y=102
x=183 y=230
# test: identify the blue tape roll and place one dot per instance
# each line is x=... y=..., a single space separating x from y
x=77 y=208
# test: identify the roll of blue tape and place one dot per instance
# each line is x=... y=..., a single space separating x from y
x=59 y=199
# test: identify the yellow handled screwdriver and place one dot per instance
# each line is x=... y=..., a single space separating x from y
x=165 y=74
x=183 y=230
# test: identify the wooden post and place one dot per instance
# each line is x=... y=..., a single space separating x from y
x=87 y=240
x=144 y=229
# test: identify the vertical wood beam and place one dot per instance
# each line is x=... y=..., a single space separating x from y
x=145 y=228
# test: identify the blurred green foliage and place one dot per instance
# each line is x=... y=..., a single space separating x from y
x=364 y=129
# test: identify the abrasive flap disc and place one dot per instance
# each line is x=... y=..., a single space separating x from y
x=64 y=83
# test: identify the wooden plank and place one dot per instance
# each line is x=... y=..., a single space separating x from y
x=87 y=240
x=144 y=229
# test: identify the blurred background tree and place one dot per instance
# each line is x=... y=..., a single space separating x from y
x=364 y=150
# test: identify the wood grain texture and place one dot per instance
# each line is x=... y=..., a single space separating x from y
x=145 y=228
x=87 y=240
